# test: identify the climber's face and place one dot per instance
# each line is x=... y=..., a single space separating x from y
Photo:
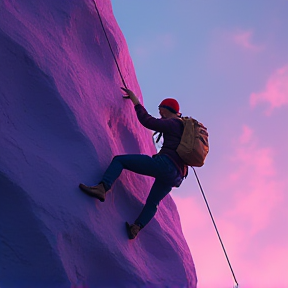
x=163 y=112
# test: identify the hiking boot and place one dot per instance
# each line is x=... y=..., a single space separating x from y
x=97 y=191
x=132 y=230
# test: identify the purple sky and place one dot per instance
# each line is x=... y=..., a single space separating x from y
x=227 y=64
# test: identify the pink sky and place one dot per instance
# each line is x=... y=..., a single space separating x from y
x=227 y=64
x=252 y=217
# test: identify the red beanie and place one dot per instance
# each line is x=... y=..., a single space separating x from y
x=171 y=104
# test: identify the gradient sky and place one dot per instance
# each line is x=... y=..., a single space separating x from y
x=226 y=62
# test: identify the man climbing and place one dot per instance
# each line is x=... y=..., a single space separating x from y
x=166 y=166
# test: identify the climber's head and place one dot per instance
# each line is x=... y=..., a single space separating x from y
x=169 y=107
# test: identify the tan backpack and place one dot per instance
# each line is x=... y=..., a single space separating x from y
x=193 y=147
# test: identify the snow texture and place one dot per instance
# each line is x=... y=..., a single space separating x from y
x=62 y=119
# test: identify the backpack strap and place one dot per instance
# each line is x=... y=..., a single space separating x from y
x=159 y=136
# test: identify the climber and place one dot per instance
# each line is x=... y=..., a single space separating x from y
x=166 y=166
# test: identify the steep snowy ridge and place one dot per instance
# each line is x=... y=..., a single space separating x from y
x=62 y=119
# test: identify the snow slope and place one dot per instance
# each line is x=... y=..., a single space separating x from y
x=62 y=119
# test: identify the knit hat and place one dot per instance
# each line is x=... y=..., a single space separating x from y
x=170 y=104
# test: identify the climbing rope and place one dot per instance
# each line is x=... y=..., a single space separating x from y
x=224 y=250
x=123 y=81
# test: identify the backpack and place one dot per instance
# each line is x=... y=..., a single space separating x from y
x=193 y=147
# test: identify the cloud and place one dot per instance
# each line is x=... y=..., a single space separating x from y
x=204 y=245
x=159 y=44
x=246 y=135
x=275 y=92
x=244 y=39
x=257 y=196
x=233 y=53
x=246 y=211
x=255 y=181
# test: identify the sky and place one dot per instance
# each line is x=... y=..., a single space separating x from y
x=226 y=62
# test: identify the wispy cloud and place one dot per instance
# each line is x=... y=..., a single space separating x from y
x=254 y=179
x=275 y=93
x=246 y=135
x=158 y=44
x=244 y=39
x=252 y=195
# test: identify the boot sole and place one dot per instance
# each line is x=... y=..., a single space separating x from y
x=88 y=192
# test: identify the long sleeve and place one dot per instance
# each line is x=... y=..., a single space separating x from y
x=148 y=121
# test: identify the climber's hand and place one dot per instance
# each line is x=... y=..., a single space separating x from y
x=130 y=95
x=126 y=96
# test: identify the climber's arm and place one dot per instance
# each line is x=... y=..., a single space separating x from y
x=148 y=121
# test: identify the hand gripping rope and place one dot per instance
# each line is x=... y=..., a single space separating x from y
x=123 y=81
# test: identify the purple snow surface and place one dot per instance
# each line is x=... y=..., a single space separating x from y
x=62 y=119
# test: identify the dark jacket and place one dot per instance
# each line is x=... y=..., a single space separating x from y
x=172 y=130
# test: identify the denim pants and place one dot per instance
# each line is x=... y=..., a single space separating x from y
x=159 y=166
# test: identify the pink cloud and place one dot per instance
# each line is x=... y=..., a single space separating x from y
x=244 y=40
x=257 y=195
x=246 y=211
x=158 y=44
x=246 y=135
x=275 y=92
x=202 y=240
x=231 y=48
x=254 y=176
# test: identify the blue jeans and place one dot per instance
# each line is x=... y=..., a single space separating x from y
x=160 y=167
